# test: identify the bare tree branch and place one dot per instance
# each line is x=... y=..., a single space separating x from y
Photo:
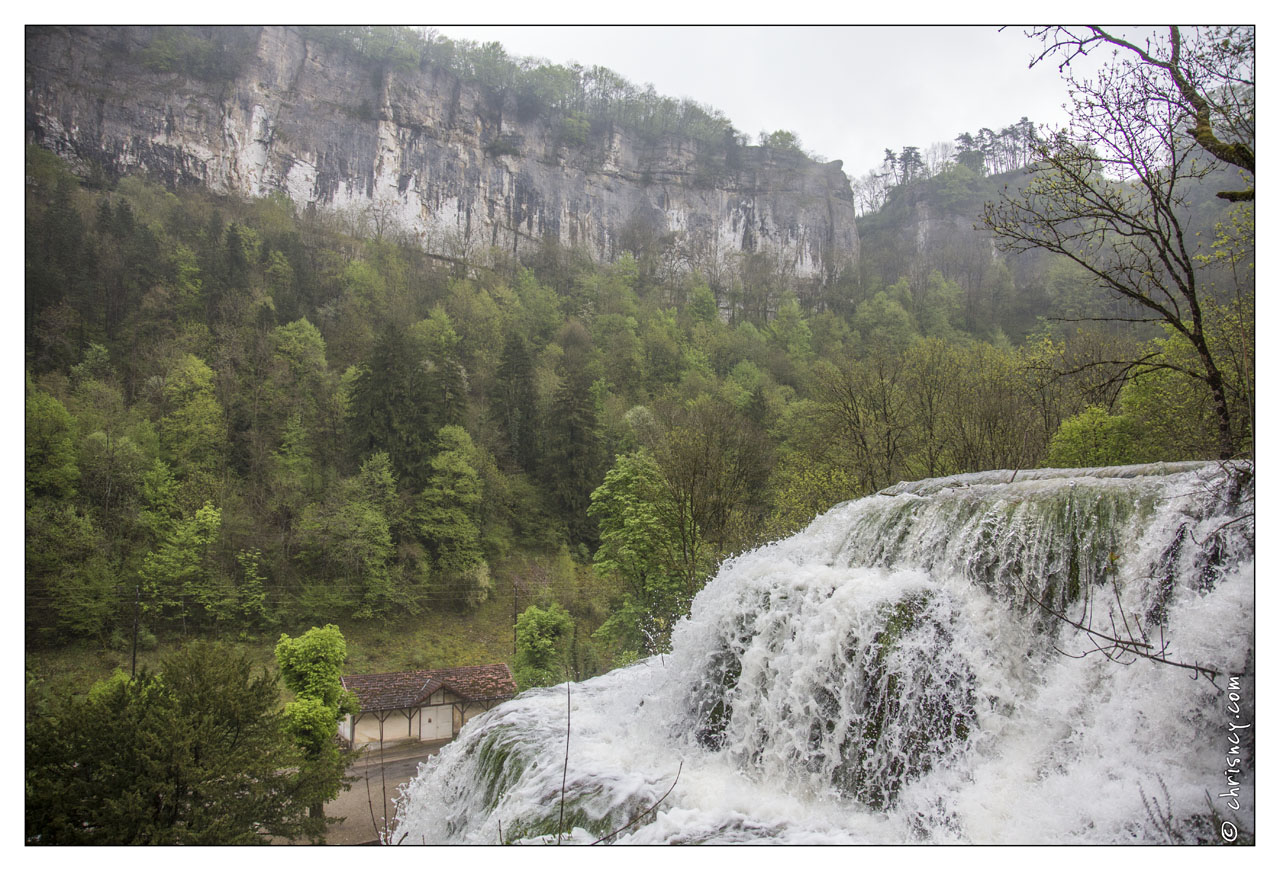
x=1107 y=194
x=638 y=817
x=1211 y=83
x=1115 y=647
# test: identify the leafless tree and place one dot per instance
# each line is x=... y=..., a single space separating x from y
x=1109 y=192
x=1204 y=77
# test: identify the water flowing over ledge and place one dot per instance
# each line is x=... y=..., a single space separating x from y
x=895 y=674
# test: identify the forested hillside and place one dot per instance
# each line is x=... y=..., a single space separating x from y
x=242 y=417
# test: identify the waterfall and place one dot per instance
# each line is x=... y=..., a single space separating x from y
x=905 y=670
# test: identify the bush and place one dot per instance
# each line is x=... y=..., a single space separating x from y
x=1092 y=438
x=575 y=131
x=504 y=145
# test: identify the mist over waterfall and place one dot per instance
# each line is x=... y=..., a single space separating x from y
x=905 y=670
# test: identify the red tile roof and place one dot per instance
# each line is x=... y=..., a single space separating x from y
x=408 y=689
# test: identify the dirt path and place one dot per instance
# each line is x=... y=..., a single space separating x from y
x=379 y=777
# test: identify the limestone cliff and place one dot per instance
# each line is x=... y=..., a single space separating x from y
x=452 y=164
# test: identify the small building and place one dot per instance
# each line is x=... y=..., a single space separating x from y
x=425 y=705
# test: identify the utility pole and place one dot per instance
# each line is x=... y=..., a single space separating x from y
x=137 y=600
x=515 y=612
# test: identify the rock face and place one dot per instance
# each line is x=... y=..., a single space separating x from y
x=451 y=164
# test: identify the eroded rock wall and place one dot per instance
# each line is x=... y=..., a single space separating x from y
x=450 y=164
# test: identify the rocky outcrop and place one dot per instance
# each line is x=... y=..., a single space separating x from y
x=451 y=164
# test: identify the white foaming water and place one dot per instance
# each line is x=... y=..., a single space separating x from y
x=890 y=675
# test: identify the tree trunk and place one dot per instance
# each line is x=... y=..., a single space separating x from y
x=1213 y=378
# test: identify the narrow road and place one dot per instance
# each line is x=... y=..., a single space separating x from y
x=363 y=804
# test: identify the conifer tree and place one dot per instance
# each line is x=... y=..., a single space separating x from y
x=515 y=405
x=574 y=458
x=194 y=754
x=391 y=408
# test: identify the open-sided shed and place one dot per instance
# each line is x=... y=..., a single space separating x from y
x=424 y=705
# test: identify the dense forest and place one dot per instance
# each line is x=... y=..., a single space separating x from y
x=242 y=418
x=239 y=417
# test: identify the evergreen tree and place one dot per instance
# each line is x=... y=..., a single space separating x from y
x=515 y=404
x=446 y=383
x=574 y=458
x=391 y=407
x=195 y=754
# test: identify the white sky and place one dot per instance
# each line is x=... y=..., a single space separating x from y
x=849 y=92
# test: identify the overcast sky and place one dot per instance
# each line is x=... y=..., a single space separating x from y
x=848 y=92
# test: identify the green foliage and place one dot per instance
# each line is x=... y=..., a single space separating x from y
x=581 y=97
x=503 y=146
x=782 y=140
x=311 y=666
x=542 y=637
x=883 y=322
x=447 y=516
x=71 y=585
x=346 y=544
x=177 y=575
x=1092 y=438
x=382 y=433
x=311 y=723
x=160 y=492
x=51 y=469
x=111 y=471
x=574 y=447
x=515 y=402
x=790 y=333
x=217 y=57
x=251 y=594
x=411 y=387
x=630 y=528
x=805 y=486
x=196 y=754
x=575 y=130
x=641 y=545
x=193 y=432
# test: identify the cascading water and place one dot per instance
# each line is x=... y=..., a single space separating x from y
x=896 y=674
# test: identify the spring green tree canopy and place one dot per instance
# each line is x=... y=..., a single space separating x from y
x=51 y=455
x=448 y=516
x=177 y=576
x=193 y=430
x=311 y=667
x=1092 y=438
x=541 y=638
x=640 y=543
